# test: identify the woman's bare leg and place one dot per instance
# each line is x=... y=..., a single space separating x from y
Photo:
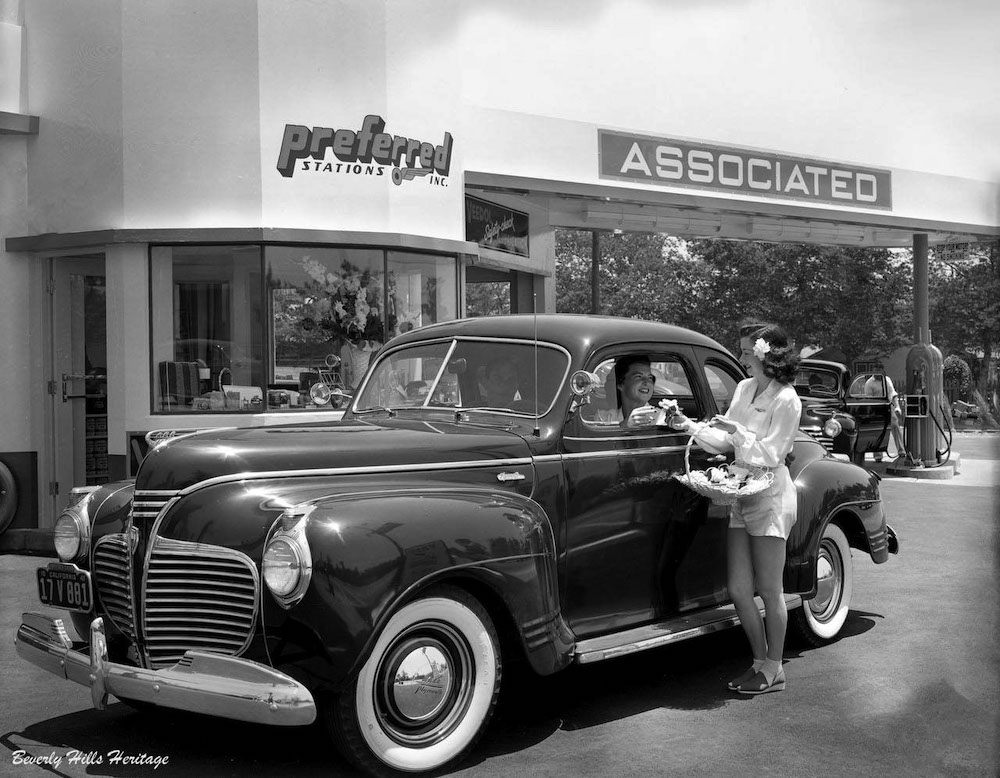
x=739 y=563
x=768 y=555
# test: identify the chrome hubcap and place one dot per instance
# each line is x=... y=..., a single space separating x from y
x=424 y=684
x=829 y=580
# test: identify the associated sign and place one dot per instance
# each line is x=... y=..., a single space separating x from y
x=495 y=227
x=668 y=162
x=367 y=151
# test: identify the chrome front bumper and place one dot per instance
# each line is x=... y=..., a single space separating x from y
x=201 y=682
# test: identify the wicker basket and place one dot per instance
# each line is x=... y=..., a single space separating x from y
x=731 y=488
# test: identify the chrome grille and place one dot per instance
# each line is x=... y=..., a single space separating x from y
x=824 y=440
x=113 y=582
x=146 y=506
x=197 y=597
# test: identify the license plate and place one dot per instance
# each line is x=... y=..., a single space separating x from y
x=65 y=586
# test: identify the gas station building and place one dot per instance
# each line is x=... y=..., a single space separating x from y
x=181 y=180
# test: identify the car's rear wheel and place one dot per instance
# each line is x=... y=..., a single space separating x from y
x=820 y=619
x=428 y=690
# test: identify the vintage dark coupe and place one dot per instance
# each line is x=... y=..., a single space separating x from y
x=381 y=571
x=847 y=415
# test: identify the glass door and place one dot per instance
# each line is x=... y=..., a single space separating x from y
x=78 y=383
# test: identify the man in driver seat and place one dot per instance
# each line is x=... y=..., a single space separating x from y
x=500 y=388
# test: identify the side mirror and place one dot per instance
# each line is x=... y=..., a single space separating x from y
x=583 y=383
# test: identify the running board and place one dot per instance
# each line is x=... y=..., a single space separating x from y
x=664 y=632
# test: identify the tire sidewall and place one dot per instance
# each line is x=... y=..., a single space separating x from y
x=829 y=629
x=8 y=497
x=485 y=656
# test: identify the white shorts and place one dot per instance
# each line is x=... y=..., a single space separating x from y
x=770 y=513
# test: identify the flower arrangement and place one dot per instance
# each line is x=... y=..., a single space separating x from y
x=348 y=302
x=670 y=406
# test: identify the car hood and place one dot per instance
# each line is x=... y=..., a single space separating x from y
x=813 y=407
x=186 y=460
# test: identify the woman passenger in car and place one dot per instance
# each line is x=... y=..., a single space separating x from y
x=760 y=426
x=634 y=382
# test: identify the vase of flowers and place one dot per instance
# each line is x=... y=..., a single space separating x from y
x=347 y=303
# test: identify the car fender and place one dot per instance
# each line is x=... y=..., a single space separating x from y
x=373 y=551
x=833 y=490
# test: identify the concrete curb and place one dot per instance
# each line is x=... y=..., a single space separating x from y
x=30 y=542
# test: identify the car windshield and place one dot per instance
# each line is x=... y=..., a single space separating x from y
x=816 y=382
x=518 y=377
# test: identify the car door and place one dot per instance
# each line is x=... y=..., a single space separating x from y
x=868 y=403
x=640 y=546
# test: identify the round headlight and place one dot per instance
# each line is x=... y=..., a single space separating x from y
x=832 y=428
x=70 y=535
x=320 y=393
x=282 y=567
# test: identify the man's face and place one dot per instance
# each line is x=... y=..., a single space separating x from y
x=501 y=384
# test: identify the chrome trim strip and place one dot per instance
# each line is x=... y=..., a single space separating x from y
x=202 y=682
x=624 y=452
x=252 y=475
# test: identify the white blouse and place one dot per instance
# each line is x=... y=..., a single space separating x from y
x=765 y=427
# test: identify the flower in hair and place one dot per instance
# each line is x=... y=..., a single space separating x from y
x=760 y=348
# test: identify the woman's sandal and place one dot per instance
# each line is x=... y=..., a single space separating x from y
x=759 y=685
x=735 y=684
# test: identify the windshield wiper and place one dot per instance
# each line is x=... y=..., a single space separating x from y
x=376 y=409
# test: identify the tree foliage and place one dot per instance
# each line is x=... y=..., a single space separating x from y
x=965 y=308
x=857 y=299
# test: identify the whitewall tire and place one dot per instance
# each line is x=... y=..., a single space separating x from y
x=820 y=619
x=428 y=689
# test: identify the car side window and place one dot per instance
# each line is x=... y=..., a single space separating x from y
x=671 y=381
x=866 y=385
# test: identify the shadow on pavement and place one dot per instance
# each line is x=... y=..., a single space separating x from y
x=190 y=744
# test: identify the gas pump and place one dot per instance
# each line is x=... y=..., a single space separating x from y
x=922 y=405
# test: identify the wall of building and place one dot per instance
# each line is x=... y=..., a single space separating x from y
x=900 y=85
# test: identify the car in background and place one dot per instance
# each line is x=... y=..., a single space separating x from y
x=848 y=415
x=382 y=572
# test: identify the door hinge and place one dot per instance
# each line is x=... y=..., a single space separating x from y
x=50 y=286
x=53 y=488
x=51 y=387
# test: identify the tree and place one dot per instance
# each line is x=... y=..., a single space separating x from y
x=642 y=276
x=853 y=298
x=965 y=309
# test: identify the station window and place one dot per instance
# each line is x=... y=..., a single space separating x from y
x=251 y=328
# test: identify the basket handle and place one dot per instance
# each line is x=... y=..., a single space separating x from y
x=687 y=456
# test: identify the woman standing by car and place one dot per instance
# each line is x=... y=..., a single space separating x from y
x=760 y=426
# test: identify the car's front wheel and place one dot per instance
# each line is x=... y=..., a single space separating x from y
x=820 y=619
x=427 y=691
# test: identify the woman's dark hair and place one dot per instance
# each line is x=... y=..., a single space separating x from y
x=623 y=364
x=621 y=368
x=782 y=360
